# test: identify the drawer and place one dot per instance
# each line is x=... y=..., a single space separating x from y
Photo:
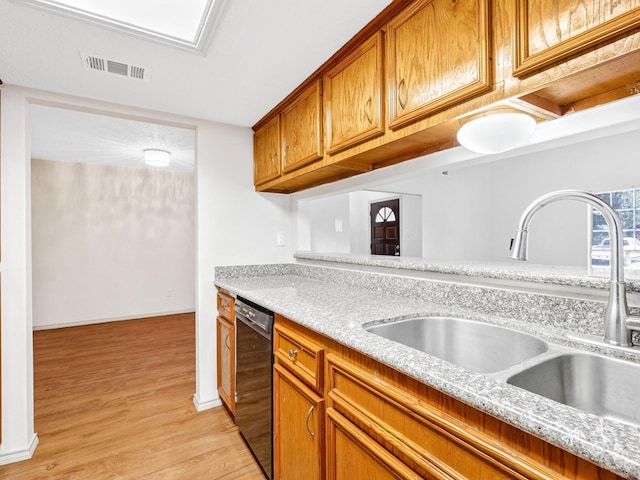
x=226 y=306
x=420 y=435
x=302 y=356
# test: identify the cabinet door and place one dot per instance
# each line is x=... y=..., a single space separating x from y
x=266 y=152
x=301 y=127
x=351 y=454
x=438 y=55
x=226 y=362
x=552 y=32
x=353 y=97
x=298 y=419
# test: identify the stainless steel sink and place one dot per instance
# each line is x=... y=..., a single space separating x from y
x=603 y=386
x=478 y=346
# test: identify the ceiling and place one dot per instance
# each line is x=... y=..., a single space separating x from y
x=72 y=136
x=261 y=50
x=258 y=53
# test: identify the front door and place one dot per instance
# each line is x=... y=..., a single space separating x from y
x=385 y=227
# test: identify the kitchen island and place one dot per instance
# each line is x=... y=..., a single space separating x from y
x=338 y=302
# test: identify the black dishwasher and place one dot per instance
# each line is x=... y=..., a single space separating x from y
x=254 y=379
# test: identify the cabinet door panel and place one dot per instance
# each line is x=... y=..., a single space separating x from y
x=551 y=31
x=226 y=362
x=301 y=124
x=266 y=152
x=438 y=55
x=298 y=429
x=353 y=97
x=354 y=455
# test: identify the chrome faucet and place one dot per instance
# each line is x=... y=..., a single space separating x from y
x=618 y=323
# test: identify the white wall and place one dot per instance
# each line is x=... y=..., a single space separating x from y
x=234 y=225
x=323 y=215
x=352 y=209
x=471 y=213
x=110 y=243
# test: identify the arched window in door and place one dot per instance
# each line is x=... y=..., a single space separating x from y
x=385 y=214
x=385 y=227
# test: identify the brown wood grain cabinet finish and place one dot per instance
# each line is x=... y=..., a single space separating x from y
x=350 y=450
x=384 y=424
x=298 y=414
x=446 y=61
x=429 y=67
x=353 y=97
x=302 y=356
x=301 y=129
x=267 y=156
x=226 y=350
x=552 y=31
x=298 y=404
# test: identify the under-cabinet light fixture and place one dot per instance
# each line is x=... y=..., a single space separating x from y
x=157 y=158
x=497 y=132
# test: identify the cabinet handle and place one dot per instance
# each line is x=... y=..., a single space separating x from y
x=307 y=421
x=366 y=110
x=226 y=341
x=402 y=104
x=292 y=352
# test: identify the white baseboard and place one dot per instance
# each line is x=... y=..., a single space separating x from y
x=200 y=405
x=19 y=455
x=111 y=319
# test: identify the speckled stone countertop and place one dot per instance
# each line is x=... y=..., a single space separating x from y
x=598 y=277
x=340 y=311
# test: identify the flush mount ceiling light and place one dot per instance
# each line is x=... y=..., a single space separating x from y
x=495 y=133
x=157 y=158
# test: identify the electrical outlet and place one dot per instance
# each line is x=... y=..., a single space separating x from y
x=281 y=239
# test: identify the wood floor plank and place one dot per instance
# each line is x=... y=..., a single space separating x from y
x=114 y=401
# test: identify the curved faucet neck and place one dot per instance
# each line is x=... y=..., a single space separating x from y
x=618 y=323
x=616 y=242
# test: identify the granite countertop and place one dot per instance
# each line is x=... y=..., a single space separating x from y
x=339 y=311
x=595 y=277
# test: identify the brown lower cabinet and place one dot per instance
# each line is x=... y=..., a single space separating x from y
x=365 y=420
x=299 y=428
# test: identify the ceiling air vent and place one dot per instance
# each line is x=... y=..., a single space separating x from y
x=101 y=64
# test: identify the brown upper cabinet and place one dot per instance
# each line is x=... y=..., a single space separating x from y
x=266 y=152
x=403 y=85
x=437 y=56
x=552 y=32
x=353 y=97
x=301 y=127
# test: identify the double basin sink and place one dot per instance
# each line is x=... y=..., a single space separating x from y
x=591 y=383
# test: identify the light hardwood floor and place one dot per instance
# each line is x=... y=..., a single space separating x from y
x=114 y=401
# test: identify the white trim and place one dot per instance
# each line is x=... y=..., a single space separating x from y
x=112 y=319
x=20 y=455
x=201 y=406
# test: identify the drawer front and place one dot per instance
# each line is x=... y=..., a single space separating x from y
x=226 y=306
x=303 y=357
x=423 y=437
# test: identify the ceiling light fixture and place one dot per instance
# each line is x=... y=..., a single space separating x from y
x=155 y=157
x=497 y=132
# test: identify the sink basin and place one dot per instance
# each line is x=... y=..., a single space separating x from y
x=603 y=386
x=477 y=346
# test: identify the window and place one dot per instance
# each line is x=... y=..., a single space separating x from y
x=385 y=214
x=626 y=203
